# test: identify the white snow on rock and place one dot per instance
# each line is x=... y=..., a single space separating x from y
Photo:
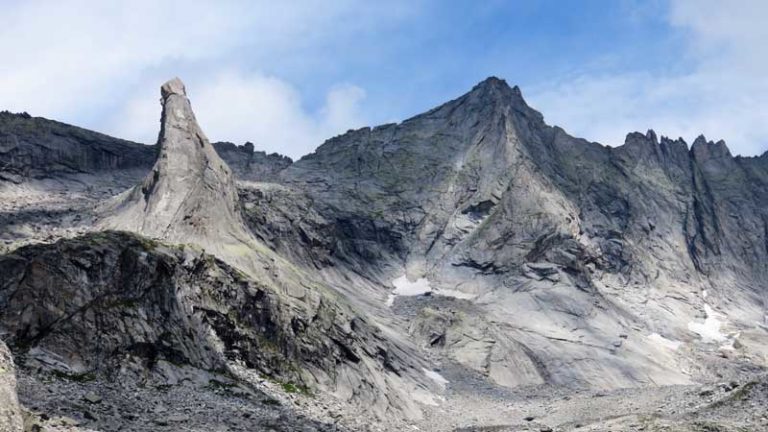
x=730 y=345
x=709 y=330
x=436 y=377
x=664 y=342
x=391 y=300
x=405 y=287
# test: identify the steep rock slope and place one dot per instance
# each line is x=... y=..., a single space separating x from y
x=33 y=147
x=190 y=198
x=10 y=412
x=250 y=165
x=38 y=148
x=117 y=304
x=591 y=265
x=475 y=236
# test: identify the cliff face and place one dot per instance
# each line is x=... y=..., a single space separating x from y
x=10 y=412
x=579 y=256
x=128 y=300
x=33 y=147
x=474 y=238
x=189 y=196
x=250 y=165
x=38 y=148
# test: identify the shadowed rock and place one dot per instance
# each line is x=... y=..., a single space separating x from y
x=190 y=198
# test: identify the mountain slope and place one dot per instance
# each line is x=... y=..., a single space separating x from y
x=609 y=256
x=466 y=257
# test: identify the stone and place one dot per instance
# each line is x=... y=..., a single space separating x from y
x=10 y=411
x=92 y=398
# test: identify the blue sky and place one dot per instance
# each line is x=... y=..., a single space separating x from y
x=288 y=75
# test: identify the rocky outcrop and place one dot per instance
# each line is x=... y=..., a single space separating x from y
x=10 y=412
x=250 y=165
x=105 y=300
x=119 y=306
x=480 y=196
x=38 y=148
x=190 y=198
x=34 y=147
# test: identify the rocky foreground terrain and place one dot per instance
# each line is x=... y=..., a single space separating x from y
x=469 y=269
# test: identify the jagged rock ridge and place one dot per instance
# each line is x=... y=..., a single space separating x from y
x=190 y=198
x=587 y=242
x=548 y=260
x=36 y=148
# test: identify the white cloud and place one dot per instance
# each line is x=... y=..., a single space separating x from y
x=258 y=108
x=722 y=94
x=100 y=64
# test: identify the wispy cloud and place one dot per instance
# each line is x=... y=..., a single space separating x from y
x=718 y=88
x=258 y=108
x=288 y=75
x=100 y=65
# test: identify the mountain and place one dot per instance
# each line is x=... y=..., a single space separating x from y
x=38 y=148
x=603 y=251
x=469 y=267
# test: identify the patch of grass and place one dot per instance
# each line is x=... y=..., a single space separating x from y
x=290 y=387
x=76 y=377
x=215 y=384
x=147 y=243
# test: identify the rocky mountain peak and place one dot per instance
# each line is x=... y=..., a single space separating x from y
x=174 y=86
x=495 y=82
x=493 y=89
x=703 y=150
x=190 y=194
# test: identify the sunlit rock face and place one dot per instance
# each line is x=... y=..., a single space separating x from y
x=10 y=411
x=470 y=253
x=580 y=257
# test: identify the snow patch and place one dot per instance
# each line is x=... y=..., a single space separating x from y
x=709 y=330
x=436 y=377
x=404 y=287
x=454 y=293
x=664 y=342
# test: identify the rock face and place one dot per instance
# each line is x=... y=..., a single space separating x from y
x=190 y=195
x=33 y=147
x=473 y=240
x=479 y=196
x=190 y=198
x=10 y=412
x=38 y=148
x=251 y=165
x=119 y=305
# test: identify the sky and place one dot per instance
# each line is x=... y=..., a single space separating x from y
x=288 y=75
